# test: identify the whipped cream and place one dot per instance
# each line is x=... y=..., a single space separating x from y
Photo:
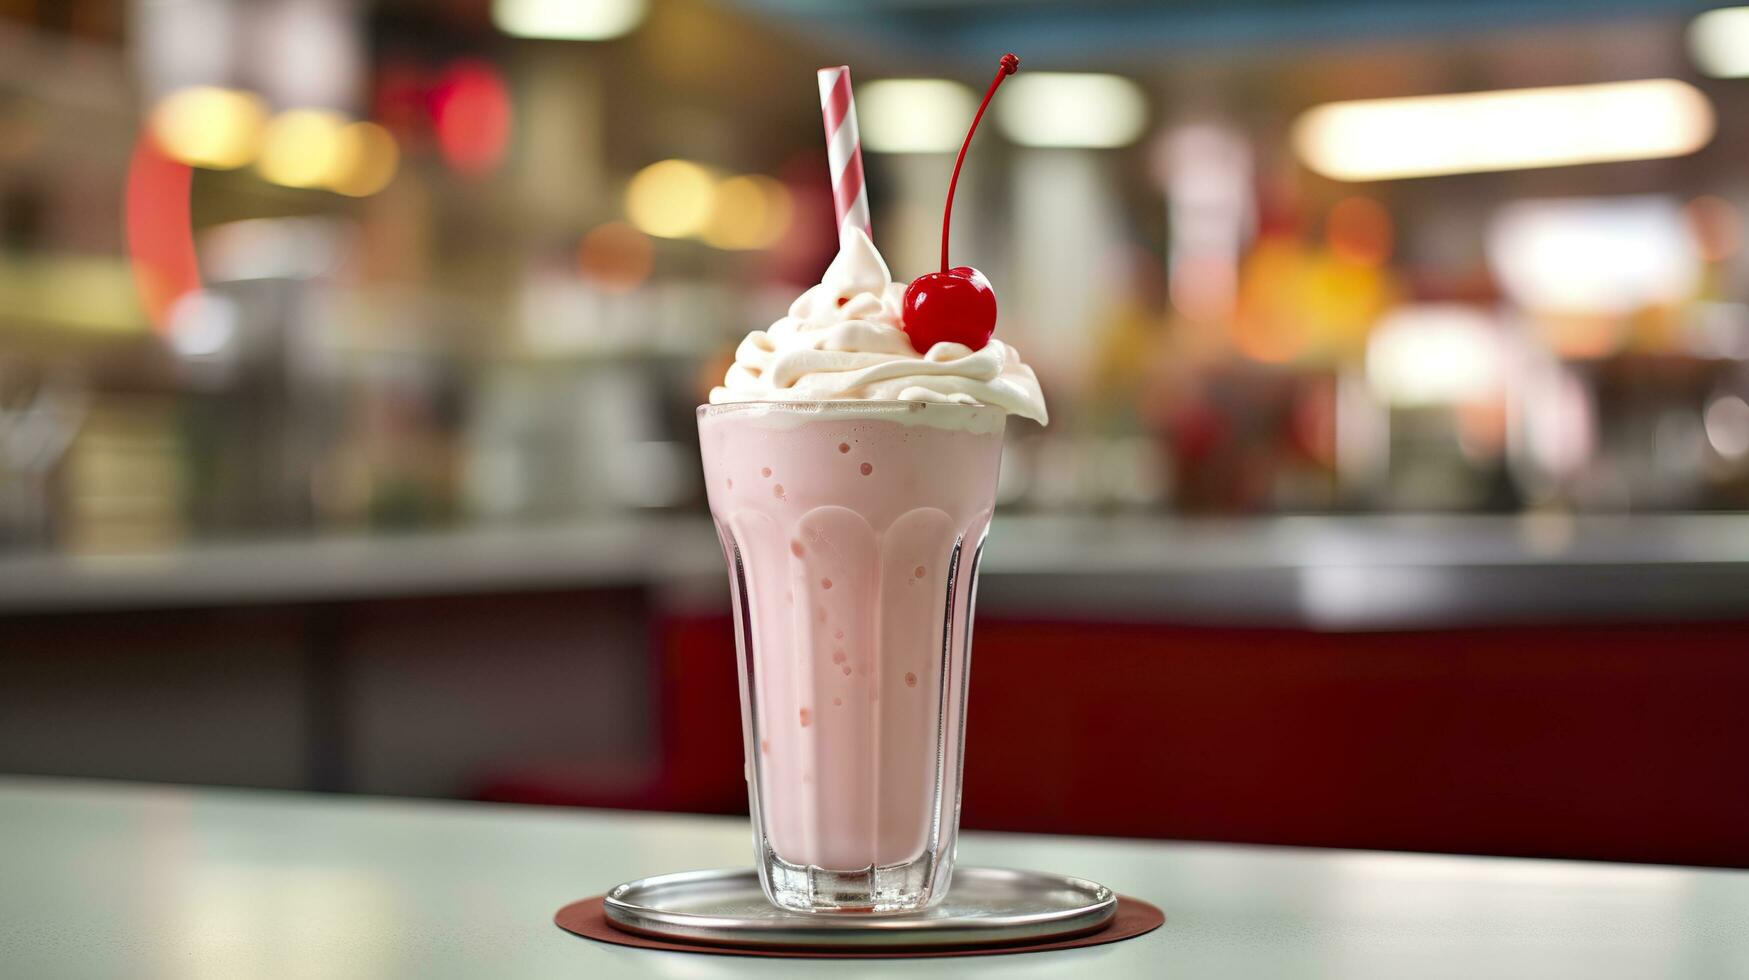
x=843 y=340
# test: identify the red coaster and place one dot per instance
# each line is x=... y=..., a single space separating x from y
x=586 y=918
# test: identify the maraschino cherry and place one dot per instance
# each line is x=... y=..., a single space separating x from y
x=955 y=304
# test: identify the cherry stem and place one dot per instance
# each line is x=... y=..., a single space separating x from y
x=1009 y=65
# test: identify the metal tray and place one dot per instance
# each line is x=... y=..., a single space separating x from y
x=985 y=906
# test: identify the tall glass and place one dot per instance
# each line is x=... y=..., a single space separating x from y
x=852 y=532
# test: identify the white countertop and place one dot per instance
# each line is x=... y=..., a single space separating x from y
x=1324 y=572
x=113 y=880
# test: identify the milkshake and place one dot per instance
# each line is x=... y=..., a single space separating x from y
x=851 y=481
x=850 y=459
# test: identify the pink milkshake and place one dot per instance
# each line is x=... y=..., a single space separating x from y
x=852 y=479
x=853 y=530
x=850 y=457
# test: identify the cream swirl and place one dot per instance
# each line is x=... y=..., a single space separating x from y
x=843 y=340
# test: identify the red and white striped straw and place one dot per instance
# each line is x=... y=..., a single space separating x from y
x=844 y=148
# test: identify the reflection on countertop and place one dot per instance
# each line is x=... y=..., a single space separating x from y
x=1322 y=572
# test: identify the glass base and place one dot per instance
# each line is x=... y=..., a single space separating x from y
x=896 y=888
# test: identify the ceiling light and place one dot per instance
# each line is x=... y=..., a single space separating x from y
x=568 y=20
x=1072 y=110
x=914 y=115
x=1515 y=129
x=1718 y=41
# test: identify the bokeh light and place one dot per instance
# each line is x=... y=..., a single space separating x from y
x=914 y=115
x=1070 y=109
x=1602 y=258
x=1718 y=41
x=568 y=20
x=203 y=323
x=1727 y=426
x=471 y=109
x=364 y=162
x=615 y=257
x=1435 y=353
x=749 y=212
x=1268 y=326
x=671 y=199
x=1358 y=230
x=300 y=147
x=1511 y=129
x=1202 y=287
x=211 y=127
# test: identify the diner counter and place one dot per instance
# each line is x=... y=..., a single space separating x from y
x=1322 y=572
x=112 y=879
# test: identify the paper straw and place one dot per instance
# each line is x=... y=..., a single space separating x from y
x=844 y=148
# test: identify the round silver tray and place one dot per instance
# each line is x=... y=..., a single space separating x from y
x=986 y=906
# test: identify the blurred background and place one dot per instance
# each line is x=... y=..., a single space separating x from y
x=1397 y=356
